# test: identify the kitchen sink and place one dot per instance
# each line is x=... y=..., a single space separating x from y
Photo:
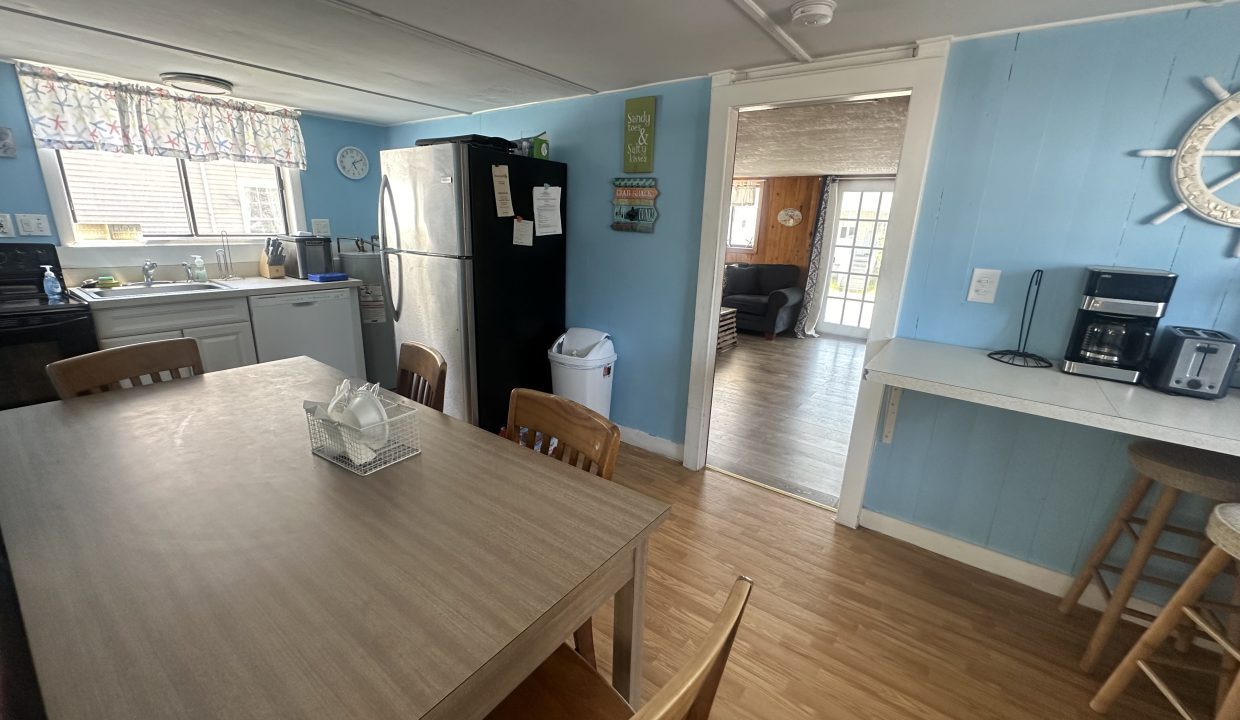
x=141 y=290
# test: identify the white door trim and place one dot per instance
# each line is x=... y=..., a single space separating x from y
x=923 y=75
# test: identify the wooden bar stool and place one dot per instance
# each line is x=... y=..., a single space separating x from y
x=1177 y=470
x=1223 y=530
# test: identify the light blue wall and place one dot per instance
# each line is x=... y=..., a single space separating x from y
x=638 y=287
x=21 y=182
x=1032 y=167
x=349 y=204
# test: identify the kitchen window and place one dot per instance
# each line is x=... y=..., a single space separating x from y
x=743 y=215
x=122 y=198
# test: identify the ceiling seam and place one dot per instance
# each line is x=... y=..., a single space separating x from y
x=755 y=13
x=222 y=58
x=374 y=16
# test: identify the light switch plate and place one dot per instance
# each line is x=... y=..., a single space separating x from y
x=33 y=225
x=6 y=225
x=984 y=286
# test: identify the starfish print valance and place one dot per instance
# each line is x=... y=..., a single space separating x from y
x=68 y=113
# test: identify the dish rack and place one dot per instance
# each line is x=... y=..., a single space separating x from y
x=369 y=449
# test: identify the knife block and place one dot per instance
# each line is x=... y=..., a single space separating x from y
x=267 y=270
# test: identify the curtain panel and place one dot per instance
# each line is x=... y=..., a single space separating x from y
x=745 y=192
x=820 y=243
x=67 y=113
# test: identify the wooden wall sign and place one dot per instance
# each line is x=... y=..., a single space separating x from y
x=632 y=204
x=639 y=134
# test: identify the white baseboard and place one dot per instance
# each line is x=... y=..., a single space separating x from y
x=1021 y=571
x=656 y=445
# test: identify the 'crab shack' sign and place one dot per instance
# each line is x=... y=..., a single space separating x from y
x=639 y=134
x=632 y=204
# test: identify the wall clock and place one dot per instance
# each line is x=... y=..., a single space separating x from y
x=1187 y=159
x=352 y=162
x=789 y=217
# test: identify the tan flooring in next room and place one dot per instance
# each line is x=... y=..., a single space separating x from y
x=849 y=624
x=782 y=412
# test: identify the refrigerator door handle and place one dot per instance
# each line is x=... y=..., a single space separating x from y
x=394 y=305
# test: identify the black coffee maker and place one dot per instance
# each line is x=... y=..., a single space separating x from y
x=1115 y=324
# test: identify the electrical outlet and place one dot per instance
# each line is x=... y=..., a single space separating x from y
x=6 y=225
x=33 y=225
x=984 y=286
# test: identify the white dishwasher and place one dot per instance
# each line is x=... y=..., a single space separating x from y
x=322 y=324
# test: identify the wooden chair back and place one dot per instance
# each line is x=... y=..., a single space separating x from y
x=583 y=438
x=106 y=369
x=422 y=374
x=691 y=691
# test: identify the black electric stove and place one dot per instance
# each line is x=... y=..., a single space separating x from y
x=36 y=330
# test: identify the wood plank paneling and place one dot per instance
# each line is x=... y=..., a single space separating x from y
x=1033 y=167
x=778 y=244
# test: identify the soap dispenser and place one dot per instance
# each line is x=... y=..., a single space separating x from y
x=200 y=268
x=51 y=284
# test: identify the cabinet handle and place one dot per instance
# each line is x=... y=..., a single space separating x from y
x=304 y=303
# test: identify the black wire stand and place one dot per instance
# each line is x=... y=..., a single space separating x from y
x=1021 y=357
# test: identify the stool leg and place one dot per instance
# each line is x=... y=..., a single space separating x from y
x=1228 y=678
x=1163 y=625
x=1229 y=709
x=1126 y=509
x=1128 y=580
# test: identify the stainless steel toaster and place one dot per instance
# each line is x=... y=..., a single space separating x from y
x=1194 y=362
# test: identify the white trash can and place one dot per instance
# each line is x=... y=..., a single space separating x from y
x=582 y=361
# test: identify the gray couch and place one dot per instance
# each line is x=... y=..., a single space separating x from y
x=767 y=298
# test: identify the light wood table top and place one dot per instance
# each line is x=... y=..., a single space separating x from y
x=967 y=374
x=179 y=553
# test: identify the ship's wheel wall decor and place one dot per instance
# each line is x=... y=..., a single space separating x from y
x=1186 y=165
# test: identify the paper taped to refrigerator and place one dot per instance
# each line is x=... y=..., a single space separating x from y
x=522 y=232
x=547 y=210
x=503 y=191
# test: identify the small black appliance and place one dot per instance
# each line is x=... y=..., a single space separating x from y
x=1116 y=321
x=1194 y=362
x=34 y=329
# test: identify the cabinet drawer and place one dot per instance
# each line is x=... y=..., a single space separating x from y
x=122 y=340
x=164 y=317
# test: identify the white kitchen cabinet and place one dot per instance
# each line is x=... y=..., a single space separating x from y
x=105 y=343
x=224 y=346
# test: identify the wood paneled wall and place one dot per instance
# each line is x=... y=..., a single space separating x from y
x=776 y=243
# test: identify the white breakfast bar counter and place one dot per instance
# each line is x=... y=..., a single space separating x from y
x=967 y=374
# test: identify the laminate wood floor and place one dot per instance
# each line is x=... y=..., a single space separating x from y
x=849 y=624
x=782 y=412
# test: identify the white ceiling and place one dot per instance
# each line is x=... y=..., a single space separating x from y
x=842 y=138
x=430 y=58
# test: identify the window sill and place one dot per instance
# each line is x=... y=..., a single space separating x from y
x=97 y=256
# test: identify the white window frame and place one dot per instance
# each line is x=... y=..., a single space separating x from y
x=846 y=184
x=53 y=179
x=760 y=198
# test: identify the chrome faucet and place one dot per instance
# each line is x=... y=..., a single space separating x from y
x=189 y=274
x=148 y=272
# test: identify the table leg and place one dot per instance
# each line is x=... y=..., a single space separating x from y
x=630 y=622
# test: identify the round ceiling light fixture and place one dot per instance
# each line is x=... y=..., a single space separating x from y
x=195 y=83
x=813 y=13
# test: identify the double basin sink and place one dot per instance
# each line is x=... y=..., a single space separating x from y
x=157 y=288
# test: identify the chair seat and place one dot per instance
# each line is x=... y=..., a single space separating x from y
x=564 y=687
x=1209 y=474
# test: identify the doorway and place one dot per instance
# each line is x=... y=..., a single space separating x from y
x=809 y=211
x=916 y=72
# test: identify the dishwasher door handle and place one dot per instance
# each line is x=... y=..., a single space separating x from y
x=305 y=303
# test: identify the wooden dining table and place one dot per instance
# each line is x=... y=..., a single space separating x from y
x=178 y=552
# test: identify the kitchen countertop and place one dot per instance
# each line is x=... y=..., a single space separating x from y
x=244 y=287
x=967 y=374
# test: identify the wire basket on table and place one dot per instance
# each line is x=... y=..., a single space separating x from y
x=372 y=448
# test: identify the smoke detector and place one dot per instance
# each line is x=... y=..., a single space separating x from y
x=813 y=13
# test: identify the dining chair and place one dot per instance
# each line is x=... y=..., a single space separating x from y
x=106 y=369
x=580 y=436
x=422 y=374
x=565 y=687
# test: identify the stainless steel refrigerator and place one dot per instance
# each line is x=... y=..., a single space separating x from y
x=455 y=280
